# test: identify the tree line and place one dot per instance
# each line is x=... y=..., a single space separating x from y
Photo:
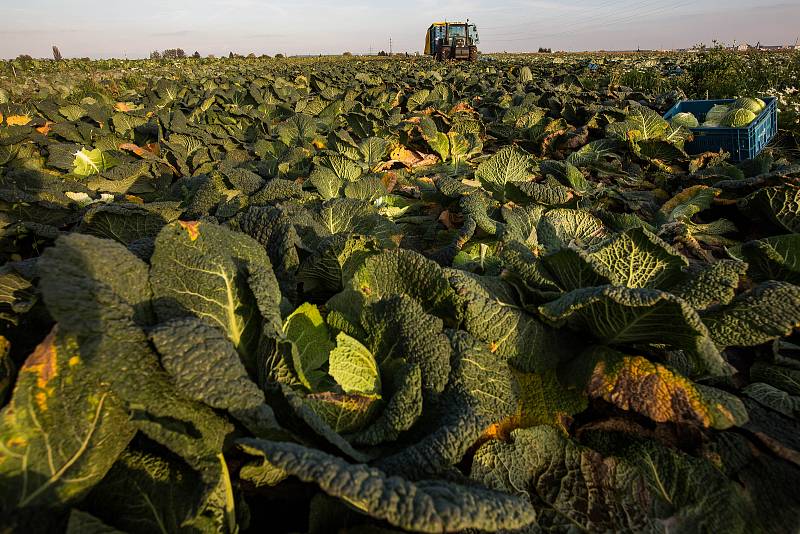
x=171 y=53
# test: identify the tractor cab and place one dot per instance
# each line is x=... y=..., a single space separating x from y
x=452 y=40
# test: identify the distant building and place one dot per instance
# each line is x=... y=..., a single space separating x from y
x=744 y=47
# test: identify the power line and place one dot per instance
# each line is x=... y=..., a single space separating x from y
x=547 y=22
x=591 y=9
x=585 y=24
x=643 y=9
x=623 y=19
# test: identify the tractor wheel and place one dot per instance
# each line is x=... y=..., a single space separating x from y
x=473 y=53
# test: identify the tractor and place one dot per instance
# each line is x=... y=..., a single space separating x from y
x=452 y=40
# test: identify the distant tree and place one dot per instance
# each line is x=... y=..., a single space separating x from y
x=173 y=53
x=251 y=55
x=382 y=53
x=279 y=56
x=544 y=50
x=230 y=55
x=56 y=53
x=265 y=56
x=211 y=56
x=347 y=54
x=196 y=54
x=24 y=57
x=155 y=54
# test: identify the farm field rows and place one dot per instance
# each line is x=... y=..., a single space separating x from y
x=388 y=295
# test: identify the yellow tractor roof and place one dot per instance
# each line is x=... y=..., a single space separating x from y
x=443 y=24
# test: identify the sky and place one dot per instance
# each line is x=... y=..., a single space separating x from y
x=112 y=28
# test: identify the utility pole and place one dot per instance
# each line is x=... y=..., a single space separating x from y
x=390 y=46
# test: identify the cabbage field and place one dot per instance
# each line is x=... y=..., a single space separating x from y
x=375 y=295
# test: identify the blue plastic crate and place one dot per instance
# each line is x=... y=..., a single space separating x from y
x=743 y=143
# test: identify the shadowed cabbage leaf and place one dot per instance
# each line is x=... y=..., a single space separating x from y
x=423 y=506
